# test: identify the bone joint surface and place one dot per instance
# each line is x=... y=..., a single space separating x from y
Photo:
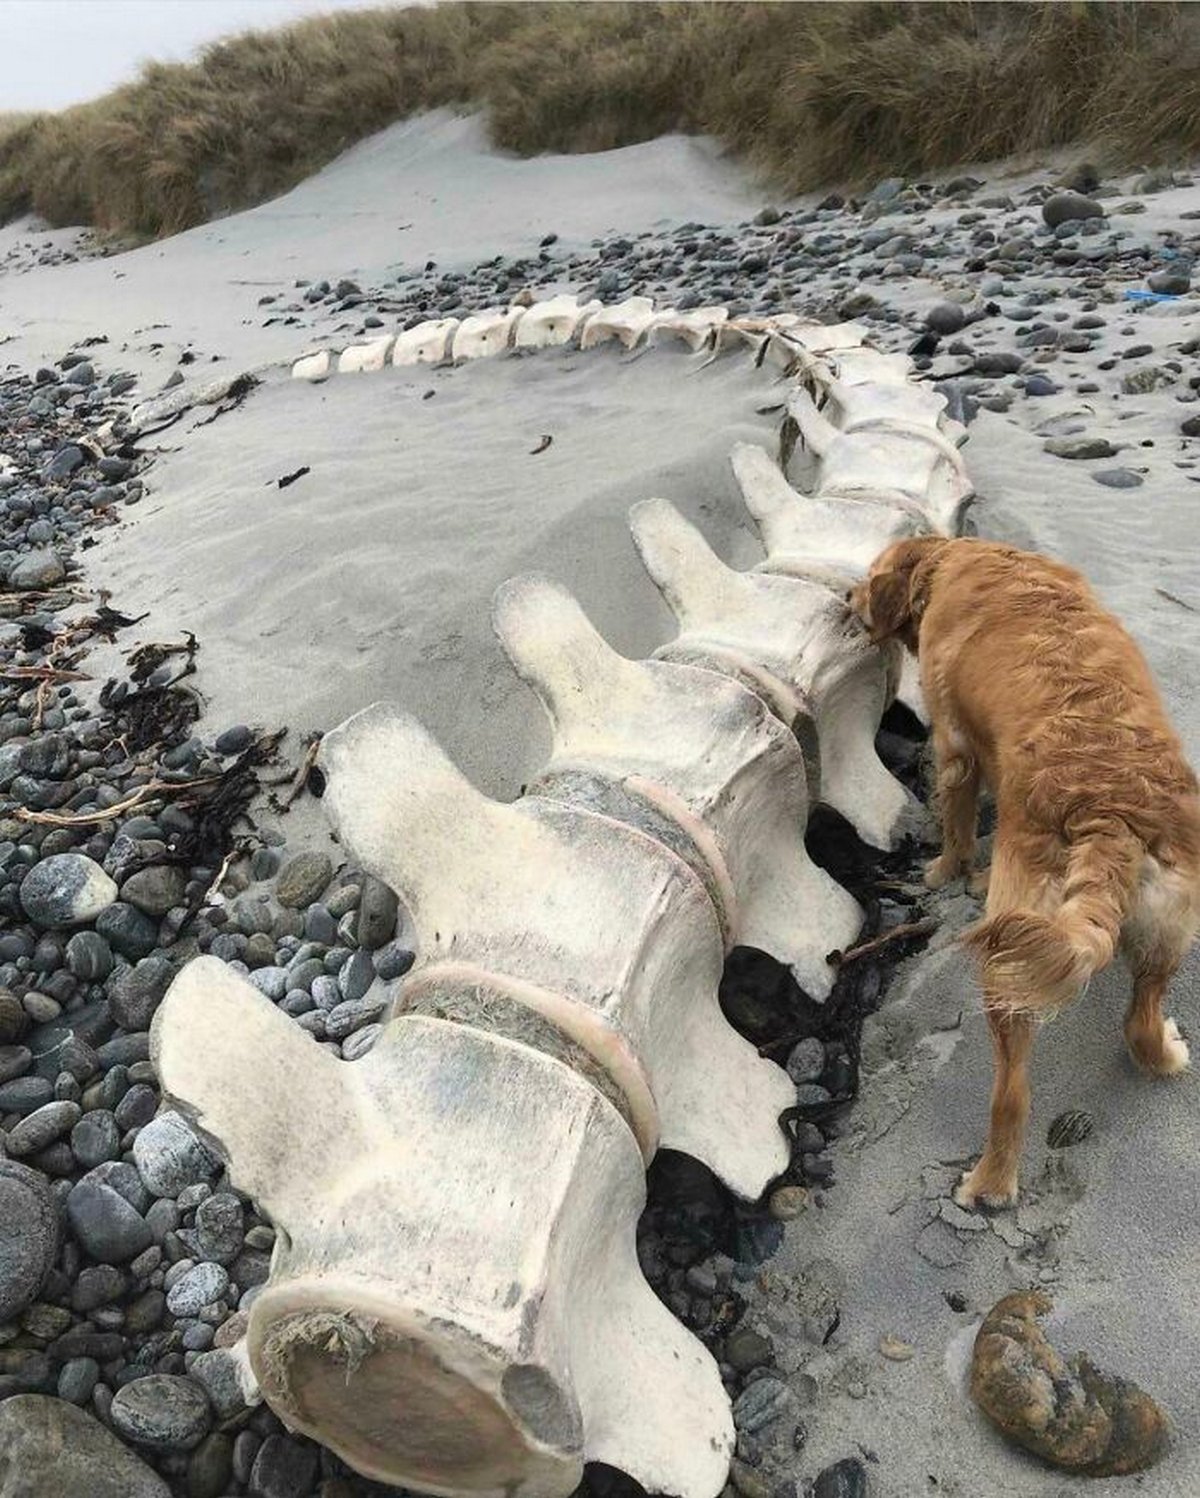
x=455 y=1303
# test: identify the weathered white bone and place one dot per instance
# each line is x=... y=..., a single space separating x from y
x=315 y=366
x=368 y=357
x=796 y=644
x=553 y=322
x=832 y=541
x=486 y=333
x=455 y=1303
x=919 y=471
x=696 y=328
x=590 y=924
x=627 y=322
x=868 y=366
x=896 y=410
x=654 y=743
x=427 y=343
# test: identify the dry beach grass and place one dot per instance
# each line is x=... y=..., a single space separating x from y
x=811 y=94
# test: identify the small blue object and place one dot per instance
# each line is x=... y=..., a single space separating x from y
x=1150 y=296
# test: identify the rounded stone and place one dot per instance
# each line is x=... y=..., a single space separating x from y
x=806 y=1061
x=89 y=957
x=844 y=1479
x=66 y=889
x=106 y=1225
x=42 y=1127
x=219 y=1231
x=135 y=993
x=77 y=1378
x=945 y=318
x=96 y=1138
x=302 y=879
x=284 y=1468
x=58 y=1449
x=29 y=1236
x=170 y=1157
x=127 y=930
x=164 y=1411
x=155 y=890
x=1070 y=207
x=198 y=1288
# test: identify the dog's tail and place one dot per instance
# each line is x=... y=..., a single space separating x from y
x=1035 y=964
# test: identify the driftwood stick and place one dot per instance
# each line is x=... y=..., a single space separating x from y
x=912 y=928
x=91 y=818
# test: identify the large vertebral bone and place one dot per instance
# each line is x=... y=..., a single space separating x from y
x=486 y=333
x=797 y=645
x=455 y=1302
x=649 y=741
x=627 y=322
x=553 y=322
x=590 y=924
x=427 y=343
x=830 y=539
x=914 y=466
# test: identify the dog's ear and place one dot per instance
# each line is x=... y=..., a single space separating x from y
x=887 y=602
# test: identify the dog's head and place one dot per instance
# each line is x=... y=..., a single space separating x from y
x=895 y=592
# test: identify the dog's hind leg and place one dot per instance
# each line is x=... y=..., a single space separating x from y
x=993 y=1181
x=957 y=788
x=1157 y=934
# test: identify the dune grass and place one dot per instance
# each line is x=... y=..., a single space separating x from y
x=810 y=94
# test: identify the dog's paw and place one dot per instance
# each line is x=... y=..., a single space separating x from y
x=975 y=1191
x=980 y=880
x=1176 y=1055
x=941 y=871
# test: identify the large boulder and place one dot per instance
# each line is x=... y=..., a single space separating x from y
x=29 y=1233
x=49 y=1448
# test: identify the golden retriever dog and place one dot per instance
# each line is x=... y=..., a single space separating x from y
x=1034 y=689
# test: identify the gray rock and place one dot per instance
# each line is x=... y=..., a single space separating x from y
x=65 y=890
x=77 y=1378
x=1119 y=478
x=219 y=1227
x=135 y=993
x=25 y=1094
x=377 y=911
x=89 y=957
x=96 y=1138
x=302 y=879
x=128 y=931
x=107 y=1226
x=1175 y=281
x=284 y=1468
x=273 y=982
x=42 y=1127
x=51 y=1449
x=198 y=1288
x=844 y=1479
x=169 y=1156
x=1079 y=447
x=356 y=976
x=217 y=1371
x=15 y=1061
x=997 y=362
x=1190 y=427
x=210 y=1466
x=155 y=890
x=945 y=317
x=1068 y=207
x=35 y=570
x=762 y=1403
x=164 y=1412
x=29 y=1236
x=393 y=961
x=98 y=1285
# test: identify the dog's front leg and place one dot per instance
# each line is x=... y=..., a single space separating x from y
x=957 y=788
x=994 y=1180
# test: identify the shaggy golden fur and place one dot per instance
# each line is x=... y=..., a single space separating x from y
x=1034 y=689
